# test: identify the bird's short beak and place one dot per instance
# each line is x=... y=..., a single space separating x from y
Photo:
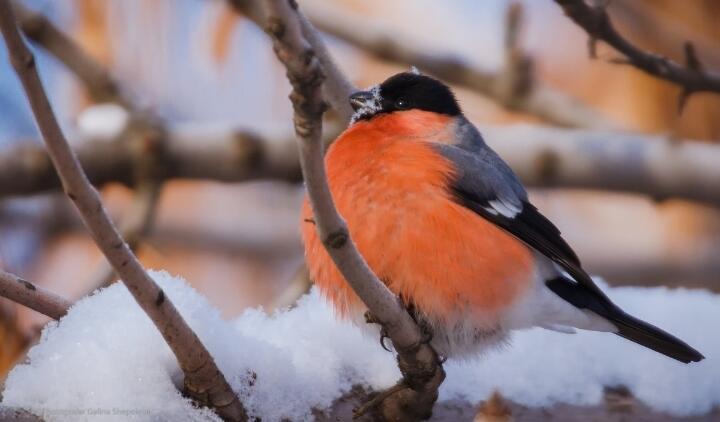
x=361 y=99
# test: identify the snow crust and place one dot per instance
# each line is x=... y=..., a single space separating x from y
x=105 y=360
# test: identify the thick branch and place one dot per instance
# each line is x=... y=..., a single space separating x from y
x=33 y=296
x=596 y=22
x=202 y=377
x=652 y=165
x=222 y=155
x=542 y=156
x=422 y=371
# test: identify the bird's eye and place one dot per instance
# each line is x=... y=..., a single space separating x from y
x=401 y=103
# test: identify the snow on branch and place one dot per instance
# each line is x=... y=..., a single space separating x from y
x=414 y=396
x=203 y=380
x=691 y=77
x=32 y=296
x=105 y=344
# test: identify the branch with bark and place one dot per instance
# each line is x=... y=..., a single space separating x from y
x=101 y=85
x=691 y=77
x=414 y=396
x=536 y=99
x=653 y=165
x=657 y=166
x=203 y=380
x=223 y=155
x=32 y=296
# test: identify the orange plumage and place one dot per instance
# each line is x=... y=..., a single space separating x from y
x=392 y=188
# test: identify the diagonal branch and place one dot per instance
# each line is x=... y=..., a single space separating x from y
x=538 y=99
x=596 y=22
x=422 y=370
x=32 y=296
x=203 y=379
x=336 y=87
x=101 y=85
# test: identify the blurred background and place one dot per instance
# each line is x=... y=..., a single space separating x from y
x=206 y=75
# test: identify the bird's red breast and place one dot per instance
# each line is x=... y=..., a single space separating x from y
x=392 y=188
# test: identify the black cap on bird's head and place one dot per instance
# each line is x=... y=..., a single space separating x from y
x=405 y=91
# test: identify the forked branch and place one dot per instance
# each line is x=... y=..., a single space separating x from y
x=203 y=379
x=596 y=22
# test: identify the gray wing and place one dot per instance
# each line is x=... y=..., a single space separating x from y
x=486 y=184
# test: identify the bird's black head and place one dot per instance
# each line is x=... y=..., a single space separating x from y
x=405 y=91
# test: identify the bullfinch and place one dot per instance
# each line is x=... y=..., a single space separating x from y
x=445 y=223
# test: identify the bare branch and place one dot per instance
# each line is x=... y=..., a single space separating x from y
x=135 y=224
x=653 y=165
x=101 y=85
x=223 y=155
x=336 y=87
x=603 y=160
x=422 y=370
x=540 y=100
x=203 y=379
x=32 y=296
x=691 y=77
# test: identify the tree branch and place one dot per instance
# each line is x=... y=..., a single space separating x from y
x=336 y=87
x=542 y=156
x=32 y=296
x=101 y=85
x=596 y=22
x=422 y=370
x=223 y=155
x=135 y=224
x=652 y=165
x=538 y=100
x=203 y=379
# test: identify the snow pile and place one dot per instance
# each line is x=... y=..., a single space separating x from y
x=105 y=358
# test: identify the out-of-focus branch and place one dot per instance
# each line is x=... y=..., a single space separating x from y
x=101 y=85
x=32 y=296
x=652 y=165
x=135 y=225
x=203 y=380
x=103 y=88
x=538 y=99
x=221 y=155
x=336 y=87
x=416 y=394
x=542 y=156
x=691 y=77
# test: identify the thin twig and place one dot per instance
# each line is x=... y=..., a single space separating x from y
x=136 y=223
x=596 y=22
x=33 y=296
x=422 y=370
x=101 y=85
x=203 y=380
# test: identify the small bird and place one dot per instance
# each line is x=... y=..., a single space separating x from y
x=445 y=223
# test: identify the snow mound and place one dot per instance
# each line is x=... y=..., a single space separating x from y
x=105 y=360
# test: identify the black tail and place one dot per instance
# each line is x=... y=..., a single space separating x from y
x=654 y=338
x=628 y=326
